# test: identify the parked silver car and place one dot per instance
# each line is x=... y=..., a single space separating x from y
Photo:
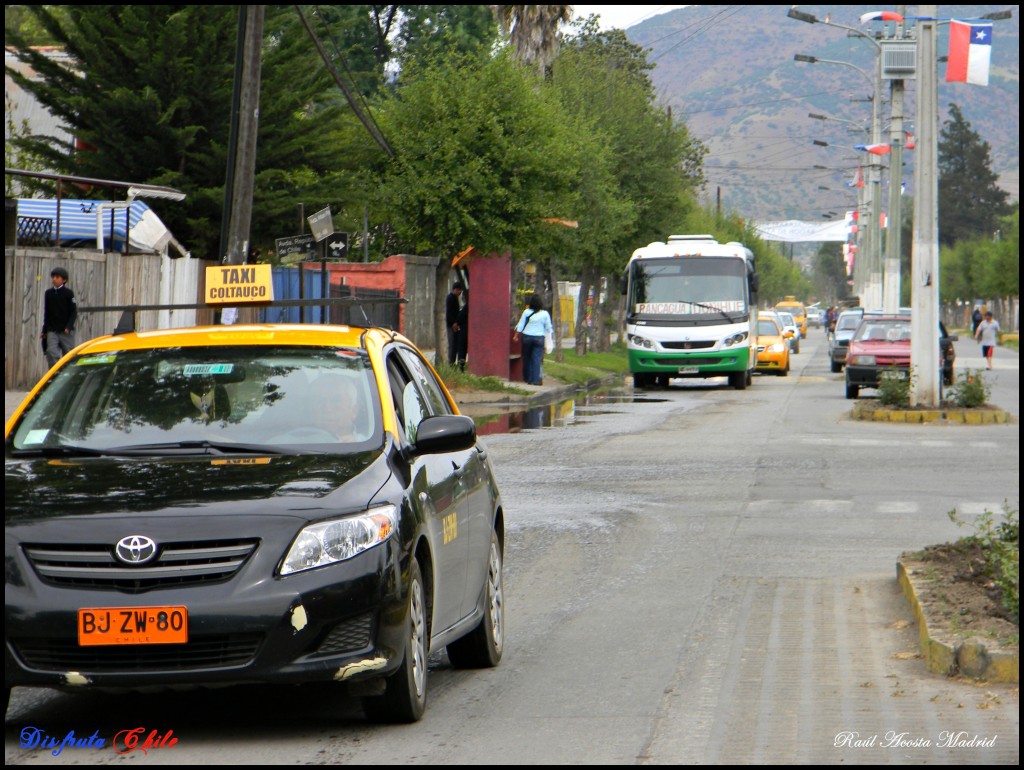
x=839 y=340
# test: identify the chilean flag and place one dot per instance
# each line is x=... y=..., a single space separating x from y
x=874 y=149
x=880 y=16
x=970 y=49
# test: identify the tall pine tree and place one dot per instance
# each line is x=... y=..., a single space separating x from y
x=970 y=203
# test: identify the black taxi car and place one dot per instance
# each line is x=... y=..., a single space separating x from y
x=249 y=504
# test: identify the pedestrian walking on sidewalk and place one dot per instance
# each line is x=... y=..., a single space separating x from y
x=60 y=309
x=533 y=325
x=988 y=334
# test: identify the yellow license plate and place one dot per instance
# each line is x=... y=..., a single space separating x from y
x=132 y=625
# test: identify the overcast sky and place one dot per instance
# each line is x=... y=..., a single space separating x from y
x=622 y=16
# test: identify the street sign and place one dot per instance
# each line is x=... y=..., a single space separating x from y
x=337 y=246
x=295 y=244
x=321 y=224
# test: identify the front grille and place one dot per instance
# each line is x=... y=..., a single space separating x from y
x=687 y=345
x=204 y=652
x=693 y=361
x=177 y=564
x=349 y=636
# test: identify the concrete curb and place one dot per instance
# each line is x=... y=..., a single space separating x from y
x=972 y=657
x=864 y=410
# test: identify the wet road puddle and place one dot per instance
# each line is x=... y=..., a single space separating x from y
x=491 y=419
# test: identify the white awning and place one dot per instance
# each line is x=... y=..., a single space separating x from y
x=796 y=231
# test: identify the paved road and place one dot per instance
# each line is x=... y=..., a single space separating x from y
x=697 y=576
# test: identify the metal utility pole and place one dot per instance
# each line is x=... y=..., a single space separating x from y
x=243 y=159
x=924 y=272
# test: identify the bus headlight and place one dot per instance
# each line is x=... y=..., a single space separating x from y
x=735 y=339
x=640 y=342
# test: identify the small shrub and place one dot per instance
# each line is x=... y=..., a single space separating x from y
x=894 y=387
x=971 y=390
x=1000 y=542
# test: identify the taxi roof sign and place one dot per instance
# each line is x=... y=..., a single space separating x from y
x=239 y=284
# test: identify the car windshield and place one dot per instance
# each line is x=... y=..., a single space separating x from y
x=879 y=330
x=767 y=328
x=787 y=319
x=848 y=322
x=207 y=399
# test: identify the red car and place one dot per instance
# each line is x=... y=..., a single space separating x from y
x=883 y=343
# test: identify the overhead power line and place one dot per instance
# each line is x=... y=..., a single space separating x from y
x=353 y=102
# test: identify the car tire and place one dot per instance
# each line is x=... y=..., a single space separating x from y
x=641 y=380
x=482 y=647
x=852 y=391
x=796 y=346
x=405 y=694
x=738 y=380
x=836 y=367
x=785 y=372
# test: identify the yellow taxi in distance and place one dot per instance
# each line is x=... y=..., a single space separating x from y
x=796 y=308
x=772 y=346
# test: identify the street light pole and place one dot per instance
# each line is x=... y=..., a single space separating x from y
x=893 y=232
x=868 y=267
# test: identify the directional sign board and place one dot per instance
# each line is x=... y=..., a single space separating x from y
x=337 y=246
x=295 y=244
x=321 y=224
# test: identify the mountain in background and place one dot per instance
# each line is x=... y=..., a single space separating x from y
x=729 y=72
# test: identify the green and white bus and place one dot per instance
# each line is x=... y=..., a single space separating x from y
x=691 y=311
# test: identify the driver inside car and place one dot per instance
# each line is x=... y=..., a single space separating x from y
x=335 y=402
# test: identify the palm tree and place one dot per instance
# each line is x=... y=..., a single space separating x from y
x=532 y=31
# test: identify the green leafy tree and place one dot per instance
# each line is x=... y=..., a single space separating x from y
x=602 y=81
x=829 y=273
x=970 y=203
x=481 y=164
x=428 y=29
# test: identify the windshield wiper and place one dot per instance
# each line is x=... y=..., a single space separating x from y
x=61 y=450
x=200 y=446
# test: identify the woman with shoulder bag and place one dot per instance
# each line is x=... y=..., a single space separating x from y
x=534 y=324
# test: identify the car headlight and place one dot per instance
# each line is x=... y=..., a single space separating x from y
x=862 y=360
x=776 y=347
x=332 y=541
x=735 y=339
x=640 y=342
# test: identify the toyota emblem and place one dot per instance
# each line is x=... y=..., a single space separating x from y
x=135 y=549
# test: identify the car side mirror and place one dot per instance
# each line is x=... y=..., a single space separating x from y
x=443 y=433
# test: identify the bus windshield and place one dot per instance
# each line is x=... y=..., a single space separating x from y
x=689 y=286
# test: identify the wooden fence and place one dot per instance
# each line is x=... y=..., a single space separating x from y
x=98 y=279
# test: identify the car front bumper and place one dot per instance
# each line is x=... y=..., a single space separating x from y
x=342 y=622
x=870 y=376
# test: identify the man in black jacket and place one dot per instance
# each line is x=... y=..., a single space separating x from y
x=60 y=309
x=451 y=319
